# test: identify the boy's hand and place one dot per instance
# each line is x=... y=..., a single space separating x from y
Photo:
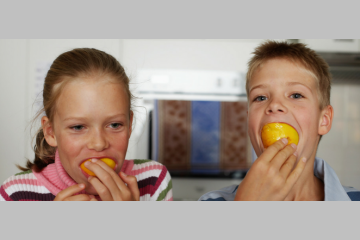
x=271 y=176
x=110 y=186
x=68 y=194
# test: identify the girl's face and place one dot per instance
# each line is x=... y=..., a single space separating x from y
x=92 y=120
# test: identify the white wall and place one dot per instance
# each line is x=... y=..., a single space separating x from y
x=341 y=146
x=13 y=76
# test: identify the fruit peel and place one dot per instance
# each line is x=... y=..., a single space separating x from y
x=111 y=163
x=272 y=132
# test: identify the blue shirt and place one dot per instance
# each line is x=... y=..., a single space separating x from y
x=334 y=191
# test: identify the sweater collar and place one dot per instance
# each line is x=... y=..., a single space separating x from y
x=54 y=177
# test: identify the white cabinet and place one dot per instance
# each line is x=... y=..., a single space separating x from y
x=333 y=45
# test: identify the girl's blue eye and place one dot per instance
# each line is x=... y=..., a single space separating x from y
x=296 y=95
x=78 y=127
x=115 y=125
x=260 y=98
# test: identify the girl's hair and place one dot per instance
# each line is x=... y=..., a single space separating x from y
x=79 y=62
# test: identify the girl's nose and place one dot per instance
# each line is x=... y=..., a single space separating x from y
x=276 y=106
x=98 y=141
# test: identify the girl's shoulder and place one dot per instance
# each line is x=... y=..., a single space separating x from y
x=24 y=186
x=142 y=166
x=154 y=180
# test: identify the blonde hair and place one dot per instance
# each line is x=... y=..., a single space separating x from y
x=79 y=62
x=298 y=53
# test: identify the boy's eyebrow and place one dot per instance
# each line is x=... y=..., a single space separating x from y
x=257 y=86
x=298 y=83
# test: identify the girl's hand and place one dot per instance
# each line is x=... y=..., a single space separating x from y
x=111 y=186
x=271 y=176
x=68 y=194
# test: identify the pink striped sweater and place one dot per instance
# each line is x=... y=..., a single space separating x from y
x=154 y=182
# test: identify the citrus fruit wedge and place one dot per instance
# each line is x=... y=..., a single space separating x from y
x=272 y=132
x=111 y=163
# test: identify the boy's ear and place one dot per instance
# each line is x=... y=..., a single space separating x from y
x=48 y=131
x=326 y=118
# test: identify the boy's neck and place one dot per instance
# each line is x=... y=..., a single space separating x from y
x=308 y=187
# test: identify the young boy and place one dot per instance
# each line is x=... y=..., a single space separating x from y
x=288 y=83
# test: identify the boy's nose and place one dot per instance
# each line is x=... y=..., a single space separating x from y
x=98 y=141
x=275 y=107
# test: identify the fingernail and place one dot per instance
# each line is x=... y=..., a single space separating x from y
x=284 y=140
x=293 y=145
x=89 y=178
x=304 y=159
x=81 y=185
x=91 y=196
x=124 y=174
x=295 y=154
x=86 y=163
x=94 y=160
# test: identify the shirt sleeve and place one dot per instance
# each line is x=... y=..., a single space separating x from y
x=154 y=182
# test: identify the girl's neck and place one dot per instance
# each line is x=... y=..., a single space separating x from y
x=308 y=187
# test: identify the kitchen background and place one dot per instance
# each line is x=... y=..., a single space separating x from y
x=23 y=65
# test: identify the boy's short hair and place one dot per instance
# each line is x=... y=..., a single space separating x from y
x=298 y=53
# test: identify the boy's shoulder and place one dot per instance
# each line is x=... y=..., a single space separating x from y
x=23 y=186
x=223 y=194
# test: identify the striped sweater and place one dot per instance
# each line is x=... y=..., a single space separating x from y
x=154 y=182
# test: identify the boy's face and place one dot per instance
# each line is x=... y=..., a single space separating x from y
x=280 y=91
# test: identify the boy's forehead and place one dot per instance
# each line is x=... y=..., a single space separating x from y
x=284 y=69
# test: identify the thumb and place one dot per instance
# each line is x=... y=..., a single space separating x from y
x=132 y=184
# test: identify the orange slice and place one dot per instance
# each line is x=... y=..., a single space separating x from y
x=272 y=132
x=111 y=163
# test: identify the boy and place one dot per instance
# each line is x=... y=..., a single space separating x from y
x=288 y=83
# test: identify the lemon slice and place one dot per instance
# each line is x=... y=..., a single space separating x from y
x=272 y=132
x=111 y=163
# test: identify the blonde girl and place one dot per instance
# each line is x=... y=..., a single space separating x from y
x=88 y=115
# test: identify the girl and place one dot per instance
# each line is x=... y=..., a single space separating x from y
x=88 y=115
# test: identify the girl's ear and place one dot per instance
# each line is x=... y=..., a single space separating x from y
x=326 y=120
x=48 y=131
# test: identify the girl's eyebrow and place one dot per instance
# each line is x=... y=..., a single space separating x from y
x=84 y=118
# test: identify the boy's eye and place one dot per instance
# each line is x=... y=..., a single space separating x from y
x=77 y=127
x=260 y=98
x=115 y=125
x=296 y=95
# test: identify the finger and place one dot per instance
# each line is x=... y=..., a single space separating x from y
x=288 y=165
x=80 y=197
x=120 y=184
x=271 y=151
x=101 y=189
x=68 y=192
x=107 y=176
x=132 y=184
x=295 y=174
x=283 y=155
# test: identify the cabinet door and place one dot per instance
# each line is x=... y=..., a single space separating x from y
x=333 y=45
